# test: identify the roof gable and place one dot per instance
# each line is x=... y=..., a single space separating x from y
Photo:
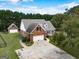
x=37 y=26
x=12 y=26
x=33 y=26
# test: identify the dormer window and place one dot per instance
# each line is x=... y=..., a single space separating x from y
x=45 y=25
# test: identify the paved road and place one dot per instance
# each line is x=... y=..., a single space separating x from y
x=43 y=50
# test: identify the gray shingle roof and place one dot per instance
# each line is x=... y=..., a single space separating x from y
x=31 y=27
x=50 y=26
x=31 y=23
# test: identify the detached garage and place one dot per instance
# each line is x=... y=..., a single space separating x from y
x=12 y=28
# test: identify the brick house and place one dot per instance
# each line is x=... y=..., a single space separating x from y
x=36 y=29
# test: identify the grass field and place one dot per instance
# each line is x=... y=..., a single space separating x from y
x=12 y=45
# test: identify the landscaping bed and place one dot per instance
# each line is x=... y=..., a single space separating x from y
x=26 y=41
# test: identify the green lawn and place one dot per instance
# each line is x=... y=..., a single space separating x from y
x=12 y=41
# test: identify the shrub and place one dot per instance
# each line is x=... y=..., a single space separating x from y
x=26 y=41
x=23 y=39
x=57 y=39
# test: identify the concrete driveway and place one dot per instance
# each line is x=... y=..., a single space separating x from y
x=43 y=50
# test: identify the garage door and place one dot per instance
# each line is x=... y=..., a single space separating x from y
x=38 y=38
x=13 y=31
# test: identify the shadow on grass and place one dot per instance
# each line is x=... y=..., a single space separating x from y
x=4 y=57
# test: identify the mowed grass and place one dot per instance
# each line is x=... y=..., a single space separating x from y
x=12 y=41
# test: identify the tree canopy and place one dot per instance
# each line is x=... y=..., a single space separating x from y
x=7 y=17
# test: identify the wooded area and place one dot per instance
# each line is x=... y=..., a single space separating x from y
x=67 y=35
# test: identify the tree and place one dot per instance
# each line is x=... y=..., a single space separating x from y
x=74 y=10
x=58 y=38
x=71 y=27
x=57 y=20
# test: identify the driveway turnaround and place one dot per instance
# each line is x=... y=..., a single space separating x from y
x=43 y=50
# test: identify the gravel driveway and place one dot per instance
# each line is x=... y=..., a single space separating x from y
x=43 y=50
